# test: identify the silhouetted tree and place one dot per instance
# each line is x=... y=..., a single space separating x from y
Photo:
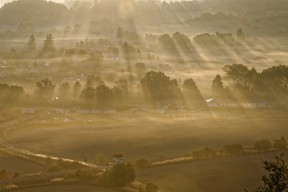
x=119 y=33
x=277 y=178
x=156 y=86
x=103 y=95
x=89 y=95
x=193 y=95
x=45 y=89
x=65 y=90
x=140 y=69
x=117 y=96
x=280 y=143
x=262 y=145
x=32 y=43
x=48 y=46
x=150 y=187
x=121 y=174
x=76 y=89
x=233 y=149
x=240 y=34
x=217 y=87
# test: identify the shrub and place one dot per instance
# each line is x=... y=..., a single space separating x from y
x=262 y=145
x=280 y=143
x=233 y=149
x=142 y=163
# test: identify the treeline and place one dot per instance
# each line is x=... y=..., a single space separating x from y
x=10 y=94
x=239 y=84
x=233 y=149
x=44 y=13
x=243 y=83
x=207 y=39
x=238 y=149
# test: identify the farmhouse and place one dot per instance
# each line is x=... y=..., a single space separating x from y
x=28 y=110
x=118 y=158
x=226 y=102
x=254 y=103
x=221 y=102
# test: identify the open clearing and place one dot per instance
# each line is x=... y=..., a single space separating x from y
x=14 y=164
x=68 y=188
x=153 y=138
x=217 y=175
x=143 y=139
x=149 y=139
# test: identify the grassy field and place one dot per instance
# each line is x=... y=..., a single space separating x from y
x=13 y=164
x=148 y=138
x=218 y=175
x=68 y=188
x=152 y=138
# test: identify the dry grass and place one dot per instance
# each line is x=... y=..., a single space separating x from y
x=217 y=175
x=145 y=138
x=68 y=188
x=14 y=164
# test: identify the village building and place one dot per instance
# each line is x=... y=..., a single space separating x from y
x=118 y=158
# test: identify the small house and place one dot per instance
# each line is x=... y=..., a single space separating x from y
x=118 y=158
x=221 y=102
x=28 y=110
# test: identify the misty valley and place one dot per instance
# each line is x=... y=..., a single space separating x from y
x=143 y=95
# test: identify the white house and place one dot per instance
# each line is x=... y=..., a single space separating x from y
x=254 y=103
x=226 y=102
x=28 y=110
x=118 y=158
x=221 y=102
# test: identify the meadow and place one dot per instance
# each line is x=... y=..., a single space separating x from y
x=154 y=138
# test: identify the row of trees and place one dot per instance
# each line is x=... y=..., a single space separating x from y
x=48 y=44
x=266 y=145
x=244 y=83
x=160 y=89
x=10 y=94
x=119 y=175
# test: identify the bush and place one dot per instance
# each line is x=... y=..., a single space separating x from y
x=150 y=187
x=280 y=143
x=233 y=149
x=142 y=163
x=118 y=176
x=277 y=178
x=85 y=174
x=262 y=145
x=54 y=167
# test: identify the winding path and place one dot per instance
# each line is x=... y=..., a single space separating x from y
x=20 y=152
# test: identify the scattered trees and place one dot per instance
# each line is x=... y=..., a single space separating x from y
x=45 y=89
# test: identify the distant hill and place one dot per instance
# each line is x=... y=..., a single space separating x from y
x=38 y=12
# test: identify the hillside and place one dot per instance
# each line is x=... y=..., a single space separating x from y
x=38 y=12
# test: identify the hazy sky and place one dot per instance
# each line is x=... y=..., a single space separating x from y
x=2 y=2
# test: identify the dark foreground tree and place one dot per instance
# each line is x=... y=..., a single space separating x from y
x=277 y=178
